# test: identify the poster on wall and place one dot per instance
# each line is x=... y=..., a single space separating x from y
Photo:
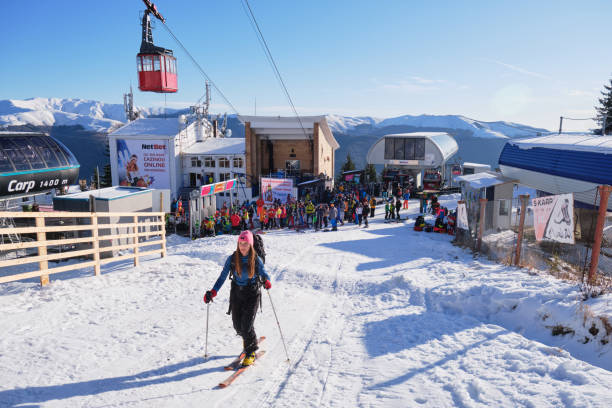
x=143 y=163
x=462 y=218
x=275 y=189
x=553 y=218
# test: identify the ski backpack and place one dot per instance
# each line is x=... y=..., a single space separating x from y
x=258 y=246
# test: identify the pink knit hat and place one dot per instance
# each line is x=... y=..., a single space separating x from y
x=246 y=236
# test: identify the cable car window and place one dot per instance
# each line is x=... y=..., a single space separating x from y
x=173 y=65
x=419 y=149
x=147 y=63
x=14 y=154
x=156 y=65
x=139 y=63
x=5 y=163
x=46 y=152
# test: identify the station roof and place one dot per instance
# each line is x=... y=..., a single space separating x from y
x=106 y=194
x=216 y=146
x=289 y=127
x=585 y=143
x=149 y=127
x=484 y=179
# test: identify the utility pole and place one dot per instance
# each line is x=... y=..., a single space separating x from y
x=560 y=123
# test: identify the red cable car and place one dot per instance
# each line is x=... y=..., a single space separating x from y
x=156 y=65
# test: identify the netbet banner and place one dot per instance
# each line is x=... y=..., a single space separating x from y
x=276 y=189
x=143 y=163
x=553 y=218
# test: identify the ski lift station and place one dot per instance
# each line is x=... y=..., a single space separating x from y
x=410 y=154
x=561 y=164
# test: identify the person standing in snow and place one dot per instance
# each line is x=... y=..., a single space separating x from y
x=247 y=272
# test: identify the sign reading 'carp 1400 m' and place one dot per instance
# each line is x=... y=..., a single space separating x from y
x=33 y=163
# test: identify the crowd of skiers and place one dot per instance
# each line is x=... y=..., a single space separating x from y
x=345 y=204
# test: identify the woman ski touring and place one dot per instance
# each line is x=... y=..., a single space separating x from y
x=247 y=271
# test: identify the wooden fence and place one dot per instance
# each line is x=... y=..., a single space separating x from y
x=112 y=227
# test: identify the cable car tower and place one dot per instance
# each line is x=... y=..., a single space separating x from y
x=156 y=65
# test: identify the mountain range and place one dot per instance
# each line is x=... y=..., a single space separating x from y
x=83 y=125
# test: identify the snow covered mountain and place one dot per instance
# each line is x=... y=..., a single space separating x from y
x=364 y=124
x=102 y=117
x=91 y=115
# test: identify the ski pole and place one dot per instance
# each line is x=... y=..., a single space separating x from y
x=206 y=343
x=279 y=328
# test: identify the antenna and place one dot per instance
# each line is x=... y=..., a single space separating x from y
x=128 y=106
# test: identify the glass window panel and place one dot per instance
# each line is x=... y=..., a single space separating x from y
x=156 y=64
x=139 y=63
x=399 y=149
x=5 y=163
x=209 y=162
x=409 y=149
x=15 y=154
x=389 y=148
x=71 y=160
x=46 y=153
x=238 y=162
x=419 y=149
x=147 y=63
x=224 y=162
x=30 y=152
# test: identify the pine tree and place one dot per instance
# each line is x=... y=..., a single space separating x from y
x=371 y=173
x=347 y=166
x=106 y=179
x=604 y=109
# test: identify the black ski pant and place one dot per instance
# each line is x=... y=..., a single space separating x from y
x=244 y=301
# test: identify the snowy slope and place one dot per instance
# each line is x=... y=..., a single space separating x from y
x=482 y=129
x=372 y=318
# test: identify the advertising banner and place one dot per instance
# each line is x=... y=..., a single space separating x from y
x=210 y=189
x=143 y=163
x=462 y=218
x=275 y=189
x=553 y=218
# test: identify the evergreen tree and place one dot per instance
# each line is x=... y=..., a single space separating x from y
x=347 y=166
x=604 y=109
x=106 y=179
x=371 y=173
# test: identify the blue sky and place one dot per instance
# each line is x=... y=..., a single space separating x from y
x=523 y=61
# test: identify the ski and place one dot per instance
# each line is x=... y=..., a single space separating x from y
x=239 y=371
x=234 y=364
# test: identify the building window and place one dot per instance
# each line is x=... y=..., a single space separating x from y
x=209 y=162
x=224 y=176
x=224 y=162
x=503 y=207
x=195 y=162
x=238 y=163
x=404 y=148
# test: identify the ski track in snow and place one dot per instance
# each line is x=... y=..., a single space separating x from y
x=377 y=317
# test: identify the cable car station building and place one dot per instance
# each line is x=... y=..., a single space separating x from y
x=410 y=154
x=299 y=148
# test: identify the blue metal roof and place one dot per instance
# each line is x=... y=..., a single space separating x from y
x=590 y=166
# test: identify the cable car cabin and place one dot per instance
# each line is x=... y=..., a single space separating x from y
x=33 y=163
x=432 y=180
x=157 y=73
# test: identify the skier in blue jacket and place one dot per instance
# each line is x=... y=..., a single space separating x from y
x=247 y=271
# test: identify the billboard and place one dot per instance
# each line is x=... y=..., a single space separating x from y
x=143 y=163
x=275 y=189
x=553 y=218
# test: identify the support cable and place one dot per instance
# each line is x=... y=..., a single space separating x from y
x=270 y=59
